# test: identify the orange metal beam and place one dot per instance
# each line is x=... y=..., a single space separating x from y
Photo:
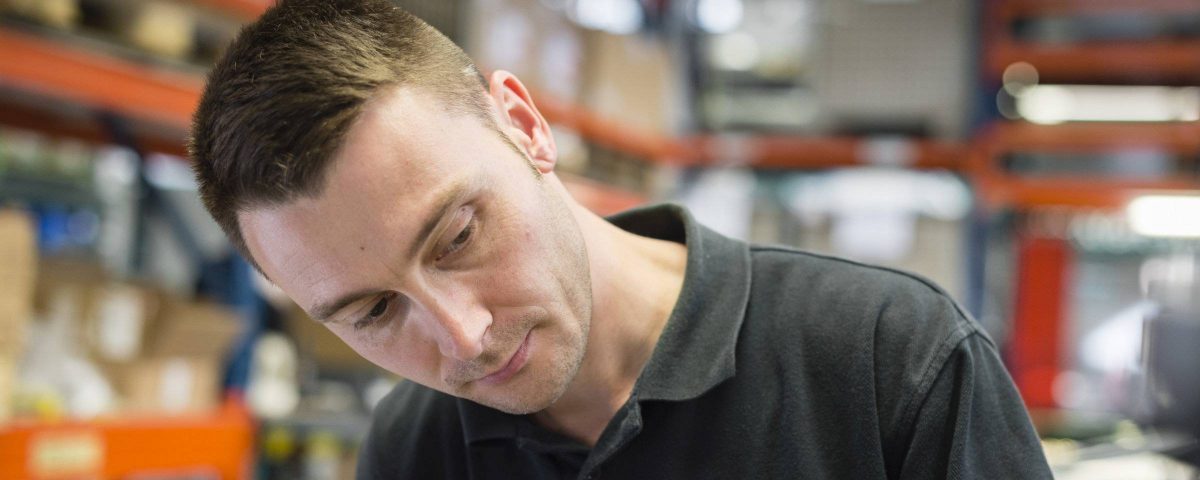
x=1039 y=317
x=1181 y=137
x=245 y=9
x=998 y=189
x=87 y=129
x=1026 y=193
x=814 y=152
x=1032 y=8
x=600 y=198
x=1160 y=61
x=609 y=133
x=41 y=66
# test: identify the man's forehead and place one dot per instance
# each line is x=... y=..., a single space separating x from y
x=402 y=135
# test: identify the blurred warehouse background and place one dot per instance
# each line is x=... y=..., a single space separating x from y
x=1038 y=158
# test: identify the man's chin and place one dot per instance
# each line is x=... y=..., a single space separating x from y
x=519 y=406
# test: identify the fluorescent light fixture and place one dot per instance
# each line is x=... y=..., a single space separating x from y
x=1165 y=215
x=620 y=17
x=719 y=16
x=1051 y=104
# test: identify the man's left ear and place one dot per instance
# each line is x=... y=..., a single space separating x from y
x=520 y=119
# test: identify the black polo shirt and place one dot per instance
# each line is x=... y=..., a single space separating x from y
x=775 y=363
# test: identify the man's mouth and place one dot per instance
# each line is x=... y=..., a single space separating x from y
x=510 y=368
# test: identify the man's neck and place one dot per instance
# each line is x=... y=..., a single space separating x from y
x=635 y=284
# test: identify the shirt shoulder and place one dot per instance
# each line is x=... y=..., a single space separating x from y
x=416 y=432
x=884 y=301
x=892 y=329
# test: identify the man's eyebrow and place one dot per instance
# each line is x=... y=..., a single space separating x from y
x=446 y=201
x=322 y=312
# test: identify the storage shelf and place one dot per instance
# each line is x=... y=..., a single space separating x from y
x=1160 y=61
x=167 y=99
x=999 y=189
x=220 y=445
x=164 y=99
x=794 y=152
x=1180 y=137
x=247 y=10
x=103 y=82
x=1030 y=8
x=1149 y=62
x=1106 y=194
x=598 y=197
x=757 y=151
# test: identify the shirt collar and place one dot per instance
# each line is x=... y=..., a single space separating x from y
x=698 y=345
x=696 y=350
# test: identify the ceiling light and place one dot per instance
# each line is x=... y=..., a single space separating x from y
x=1165 y=215
x=719 y=16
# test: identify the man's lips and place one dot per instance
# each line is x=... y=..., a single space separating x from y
x=514 y=365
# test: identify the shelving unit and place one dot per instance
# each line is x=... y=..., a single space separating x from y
x=1020 y=8
x=244 y=9
x=755 y=151
x=1160 y=61
x=44 y=67
x=1173 y=62
x=1000 y=190
x=1045 y=262
x=166 y=100
x=163 y=99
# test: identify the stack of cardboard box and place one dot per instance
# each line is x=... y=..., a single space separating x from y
x=161 y=354
x=18 y=253
x=179 y=368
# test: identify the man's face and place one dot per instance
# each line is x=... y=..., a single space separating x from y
x=437 y=252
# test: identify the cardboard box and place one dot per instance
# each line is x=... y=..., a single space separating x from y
x=8 y=375
x=113 y=317
x=61 y=14
x=168 y=385
x=162 y=28
x=18 y=254
x=117 y=320
x=630 y=78
x=179 y=367
x=192 y=329
x=161 y=354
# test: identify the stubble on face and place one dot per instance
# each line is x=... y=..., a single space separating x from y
x=564 y=348
x=540 y=228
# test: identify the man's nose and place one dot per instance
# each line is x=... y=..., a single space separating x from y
x=457 y=324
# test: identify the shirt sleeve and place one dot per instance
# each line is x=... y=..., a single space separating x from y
x=972 y=422
x=365 y=467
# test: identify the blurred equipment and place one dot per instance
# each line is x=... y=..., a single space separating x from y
x=272 y=392
x=1172 y=352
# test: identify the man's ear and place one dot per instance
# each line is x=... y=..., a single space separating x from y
x=520 y=119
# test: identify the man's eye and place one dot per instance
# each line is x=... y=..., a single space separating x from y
x=377 y=311
x=460 y=240
x=379 y=308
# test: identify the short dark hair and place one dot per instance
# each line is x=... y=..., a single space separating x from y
x=280 y=100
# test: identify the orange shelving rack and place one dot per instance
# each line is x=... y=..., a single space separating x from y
x=161 y=98
x=999 y=189
x=219 y=445
x=1156 y=61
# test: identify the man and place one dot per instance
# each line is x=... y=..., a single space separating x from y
x=361 y=162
